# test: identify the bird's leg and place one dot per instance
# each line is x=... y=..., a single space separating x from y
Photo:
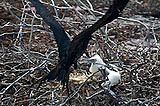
x=67 y=87
x=63 y=86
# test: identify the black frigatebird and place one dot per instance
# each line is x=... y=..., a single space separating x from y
x=79 y=43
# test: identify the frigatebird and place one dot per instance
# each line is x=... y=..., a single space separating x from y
x=79 y=43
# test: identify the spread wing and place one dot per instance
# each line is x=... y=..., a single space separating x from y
x=79 y=44
x=60 y=35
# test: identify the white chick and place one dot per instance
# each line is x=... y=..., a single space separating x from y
x=97 y=63
x=113 y=77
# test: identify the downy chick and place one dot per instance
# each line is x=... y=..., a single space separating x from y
x=113 y=77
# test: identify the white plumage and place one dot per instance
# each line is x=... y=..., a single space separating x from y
x=97 y=63
x=113 y=77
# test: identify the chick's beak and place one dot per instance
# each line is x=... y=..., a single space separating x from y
x=91 y=60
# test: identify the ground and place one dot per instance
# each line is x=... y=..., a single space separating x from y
x=28 y=51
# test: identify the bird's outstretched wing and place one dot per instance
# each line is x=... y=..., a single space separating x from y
x=80 y=42
x=60 y=35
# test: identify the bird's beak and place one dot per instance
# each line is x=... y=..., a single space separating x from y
x=91 y=60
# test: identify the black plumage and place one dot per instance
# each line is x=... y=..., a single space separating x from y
x=60 y=35
x=70 y=54
x=79 y=43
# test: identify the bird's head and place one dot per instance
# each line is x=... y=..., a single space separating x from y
x=96 y=59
